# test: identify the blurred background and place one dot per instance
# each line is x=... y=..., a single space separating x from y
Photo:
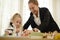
x=9 y=7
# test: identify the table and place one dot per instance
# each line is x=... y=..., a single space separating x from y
x=20 y=38
x=29 y=37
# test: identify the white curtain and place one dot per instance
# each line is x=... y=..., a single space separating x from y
x=7 y=9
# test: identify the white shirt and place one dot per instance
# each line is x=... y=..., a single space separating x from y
x=14 y=31
x=37 y=19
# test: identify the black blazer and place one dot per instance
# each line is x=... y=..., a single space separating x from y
x=47 y=22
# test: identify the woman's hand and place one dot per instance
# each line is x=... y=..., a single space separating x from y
x=26 y=32
x=36 y=30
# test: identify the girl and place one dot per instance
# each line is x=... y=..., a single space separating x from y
x=14 y=26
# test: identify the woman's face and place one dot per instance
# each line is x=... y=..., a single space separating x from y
x=17 y=21
x=33 y=8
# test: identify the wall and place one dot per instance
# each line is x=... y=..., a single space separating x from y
x=56 y=11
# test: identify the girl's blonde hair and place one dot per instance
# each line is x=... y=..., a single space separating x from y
x=14 y=16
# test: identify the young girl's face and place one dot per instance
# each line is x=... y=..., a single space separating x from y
x=17 y=21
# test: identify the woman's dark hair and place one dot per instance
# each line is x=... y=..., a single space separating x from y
x=33 y=1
